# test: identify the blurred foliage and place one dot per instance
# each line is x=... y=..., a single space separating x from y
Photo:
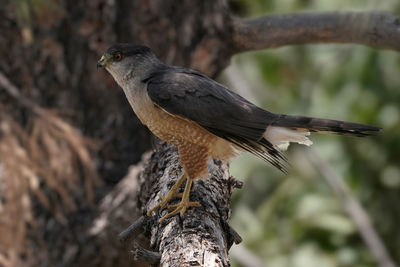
x=296 y=219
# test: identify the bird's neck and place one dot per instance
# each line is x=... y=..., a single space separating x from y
x=142 y=69
x=137 y=96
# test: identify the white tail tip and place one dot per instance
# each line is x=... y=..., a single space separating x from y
x=281 y=137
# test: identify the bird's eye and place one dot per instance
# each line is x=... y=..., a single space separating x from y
x=117 y=56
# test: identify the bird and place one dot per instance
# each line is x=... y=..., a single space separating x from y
x=204 y=119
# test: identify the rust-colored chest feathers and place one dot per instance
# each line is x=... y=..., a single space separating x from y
x=195 y=144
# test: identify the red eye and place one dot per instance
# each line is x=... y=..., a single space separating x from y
x=117 y=56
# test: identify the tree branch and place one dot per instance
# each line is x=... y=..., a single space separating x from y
x=375 y=29
x=202 y=237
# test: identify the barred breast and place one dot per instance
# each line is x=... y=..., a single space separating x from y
x=195 y=144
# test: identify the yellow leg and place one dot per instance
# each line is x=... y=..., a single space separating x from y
x=170 y=195
x=183 y=205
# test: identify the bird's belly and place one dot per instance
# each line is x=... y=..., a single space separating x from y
x=181 y=132
x=174 y=129
x=166 y=126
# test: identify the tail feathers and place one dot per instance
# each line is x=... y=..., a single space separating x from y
x=262 y=149
x=325 y=125
x=289 y=128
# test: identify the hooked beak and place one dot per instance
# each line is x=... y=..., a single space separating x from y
x=102 y=63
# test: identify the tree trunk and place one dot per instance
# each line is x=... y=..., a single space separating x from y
x=53 y=68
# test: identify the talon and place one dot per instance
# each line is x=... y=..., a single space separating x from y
x=170 y=195
x=183 y=205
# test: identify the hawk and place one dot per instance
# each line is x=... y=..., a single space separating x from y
x=204 y=119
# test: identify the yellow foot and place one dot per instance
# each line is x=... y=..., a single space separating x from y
x=179 y=208
x=183 y=205
x=172 y=194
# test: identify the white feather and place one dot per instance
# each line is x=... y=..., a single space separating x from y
x=281 y=137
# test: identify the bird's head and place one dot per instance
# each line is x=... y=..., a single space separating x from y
x=124 y=61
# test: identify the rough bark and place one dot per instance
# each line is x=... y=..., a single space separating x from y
x=203 y=237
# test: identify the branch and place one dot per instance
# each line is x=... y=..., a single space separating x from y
x=202 y=237
x=376 y=29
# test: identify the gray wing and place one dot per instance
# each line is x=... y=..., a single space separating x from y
x=192 y=95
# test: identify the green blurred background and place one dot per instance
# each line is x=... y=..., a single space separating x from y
x=297 y=219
